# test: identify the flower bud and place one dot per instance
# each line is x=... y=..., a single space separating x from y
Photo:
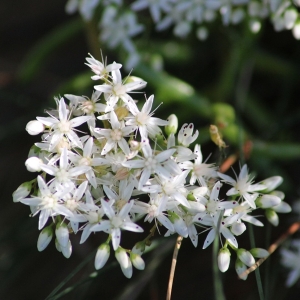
x=33 y=164
x=296 y=31
x=67 y=251
x=238 y=228
x=22 y=191
x=45 y=238
x=282 y=207
x=124 y=262
x=172 y=126
x=102 y=256
x=290 y=17
x=267 y=201
x=246 y=257
x=35 y=127
x=139 y=248
x=223 y=259
x=240 y=268
x=272 y=216
x=271 y=183
x=62 y=234
x=137 y=261
x=259 y=252
x=179 y=225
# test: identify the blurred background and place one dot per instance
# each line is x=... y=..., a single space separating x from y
x=247 y=84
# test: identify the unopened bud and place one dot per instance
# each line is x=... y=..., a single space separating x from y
x=102 y=256
x=62 y=234
x=259 y=252
x=240 y=268
x=224 y=259
x=45 y=238
x=172 y=126
x=22 y=191
x=35 y=127
x=137 y=261
x=246 y=257
x=33 y=164
x=272 y=216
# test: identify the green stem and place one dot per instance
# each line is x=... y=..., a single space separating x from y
x=257 y=273
x=218 y=285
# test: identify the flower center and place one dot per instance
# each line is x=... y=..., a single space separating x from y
x=119 y=89
x=116 y=134
x=50 y=201
x=71 y=204
x=116 y=222
x=64 y=126
x=142 y=118
x=87 y=107
x=168 y=188
x=211 y=206
x=62 y=175
x=85 y=161
x=150 y=163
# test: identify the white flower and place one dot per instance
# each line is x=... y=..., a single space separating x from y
x=115 y=136
x=116 y=222
x=200 y=171
x=172 y=189
x=185 y=135
x=243 y=186
x=88 y=159
x=101 y=70
x=154 y=210
x=144 y=121
x=65 y=174
x=62 y=126
x=151 y=164
x=48 y=203
x=118 y=90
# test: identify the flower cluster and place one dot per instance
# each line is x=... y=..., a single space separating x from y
x=119 y=22
x=126 y=169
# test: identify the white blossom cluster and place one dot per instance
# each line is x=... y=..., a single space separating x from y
x=120 y=21
x=126 y=169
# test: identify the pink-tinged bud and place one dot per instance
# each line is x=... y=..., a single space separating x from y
x=124 y=262
x=22 y=191
x=224 y=259
x=35 y=127
x=259 y=252
x=246 y=257
x=240 y=268
x=272 y=216
x=102 y=256
x=267 y=201
x=137 y=261
x=33 y=164
x=62 y=234
x=45 y=238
